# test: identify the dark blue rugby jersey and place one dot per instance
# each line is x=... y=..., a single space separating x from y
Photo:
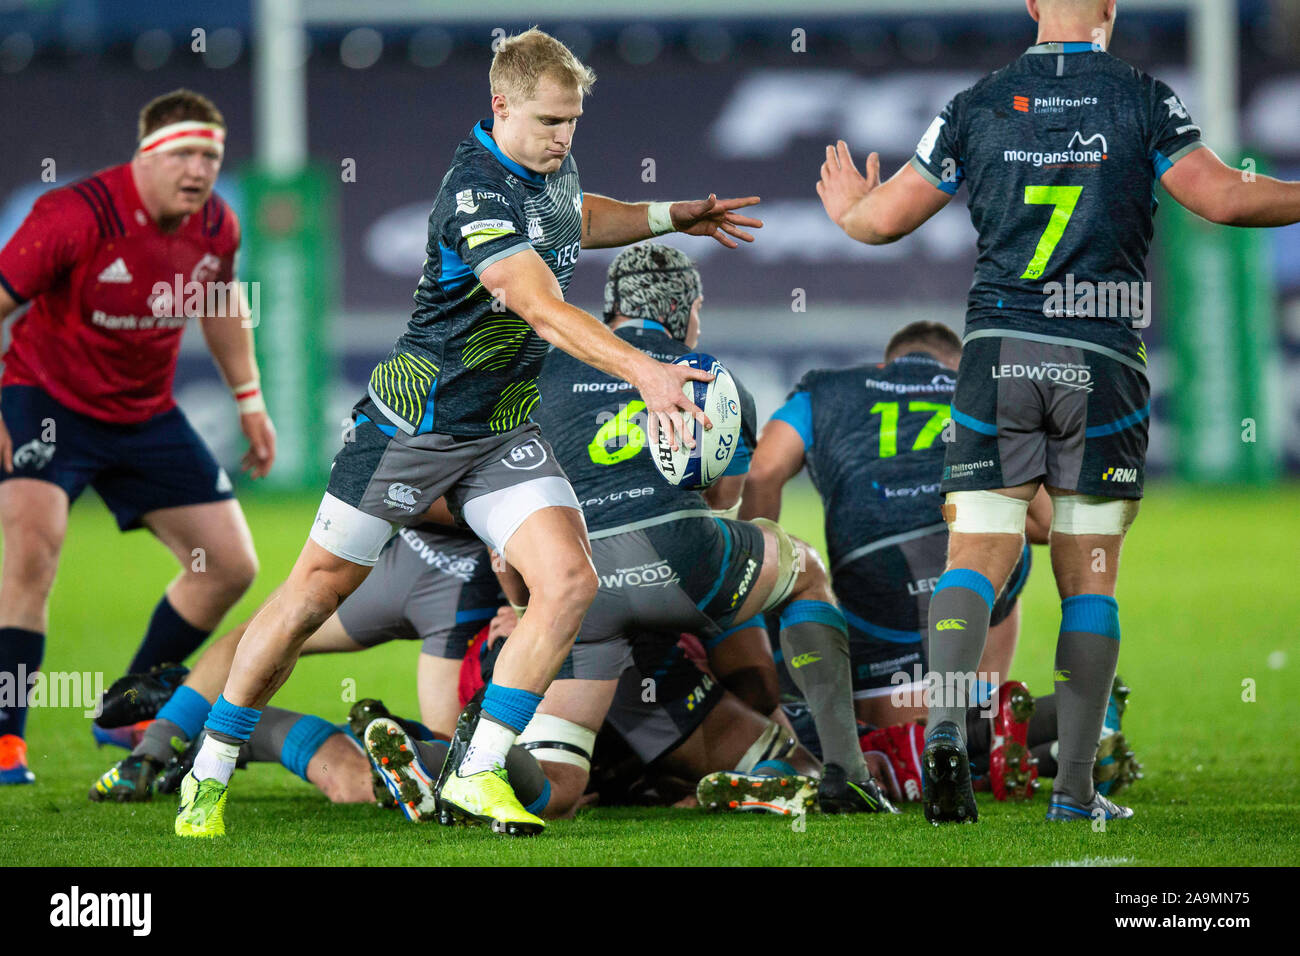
x=596 y=425
x=1060 y=151
x=873 y=444
x=467 y=365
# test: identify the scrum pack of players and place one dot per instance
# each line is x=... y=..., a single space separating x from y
x=670 y=564
x=450 y=425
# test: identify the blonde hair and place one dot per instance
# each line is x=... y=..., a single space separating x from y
x=523 y=59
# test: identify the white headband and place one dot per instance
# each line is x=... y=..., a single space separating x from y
x=183 y=135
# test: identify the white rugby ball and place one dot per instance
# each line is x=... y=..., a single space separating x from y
x=719 y=399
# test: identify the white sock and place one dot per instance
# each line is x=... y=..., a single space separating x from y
x=487 y=748
x=216 y=760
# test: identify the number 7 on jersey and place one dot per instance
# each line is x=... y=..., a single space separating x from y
x=1064 y=198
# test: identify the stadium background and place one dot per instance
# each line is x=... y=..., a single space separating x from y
x=736 y=106
x=715 y=103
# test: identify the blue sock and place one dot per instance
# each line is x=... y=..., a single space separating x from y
x=819 y=612
x=187 y=709
x=21 y=652
x=169 y=640
x=304 y=739
x=773 y=768
x=510 y=706
x=231 y=723
x=543 y=798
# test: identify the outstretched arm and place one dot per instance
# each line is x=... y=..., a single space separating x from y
x=607 y=222
x=1201 y=182
x=867 y=209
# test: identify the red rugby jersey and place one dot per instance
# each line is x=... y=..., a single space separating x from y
x=88 y=257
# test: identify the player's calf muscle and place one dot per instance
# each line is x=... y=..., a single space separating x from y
x=1086 y=563
x=568 y=783
x=993 y=555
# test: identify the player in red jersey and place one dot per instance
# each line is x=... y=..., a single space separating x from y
x=86 y=392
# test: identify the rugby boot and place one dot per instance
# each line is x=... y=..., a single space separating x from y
x=13 y=760
x=395 y=760
x=1115 y=767
x=127 y=736
x=1065 y=807
x=360 y=716
x=945 y=777
x=836 y=793
x=1013 y=770
x=169 y=781
x=202 y=812
x=130 y=780
x=487 y=797
x=138 y=697
x=785 y=795
x=456 y=749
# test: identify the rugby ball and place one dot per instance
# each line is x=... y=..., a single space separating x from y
x=719 y=399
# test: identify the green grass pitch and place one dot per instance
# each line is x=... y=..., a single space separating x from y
x=1209 y=608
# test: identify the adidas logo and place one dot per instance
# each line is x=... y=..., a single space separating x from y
x=116 y=272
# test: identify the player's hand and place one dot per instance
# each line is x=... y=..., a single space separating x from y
x=666 y=405
x=878 y=765
x=714 y=217
x=259 y=431
x=842 y=186
x=6 y=449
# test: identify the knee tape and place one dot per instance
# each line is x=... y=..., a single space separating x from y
x=557 y=740
x=774 y=743
x=1091 y=514
x=984 y=512
x=787 y=566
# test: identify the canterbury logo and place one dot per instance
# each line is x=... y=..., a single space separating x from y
x=1061 y=675
x=402 y=494
x=803 y=660
x=951 y=624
